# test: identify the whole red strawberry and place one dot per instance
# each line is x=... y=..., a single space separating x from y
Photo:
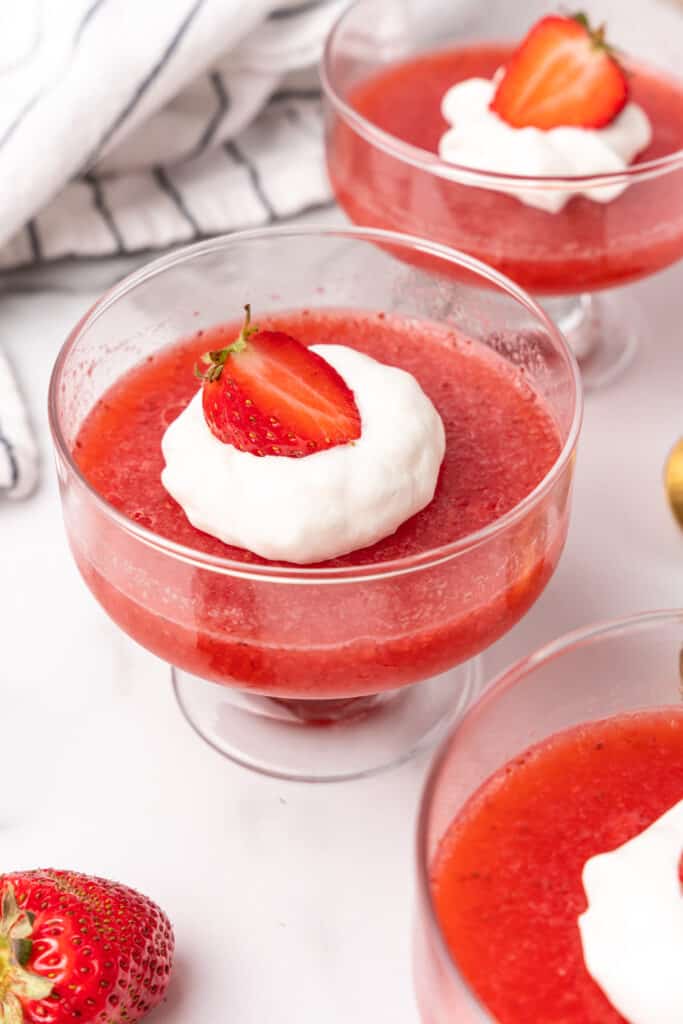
x=75 y=948
x=268 y=394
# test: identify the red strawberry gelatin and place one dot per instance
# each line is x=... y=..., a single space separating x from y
x=506 y=879
x=586 y=246
x=382 y=632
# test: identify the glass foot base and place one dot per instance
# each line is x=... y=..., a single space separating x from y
x=326 y=740
x=603 y=332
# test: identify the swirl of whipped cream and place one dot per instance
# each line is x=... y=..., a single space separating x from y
x=483 y=141
x=323 y=505
x=632 y=931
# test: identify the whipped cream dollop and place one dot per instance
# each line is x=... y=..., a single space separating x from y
x=483 y=141
x=632 y=931
x=323 y=505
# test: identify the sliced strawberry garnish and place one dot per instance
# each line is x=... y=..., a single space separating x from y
x=268 y=394
x=562 y=74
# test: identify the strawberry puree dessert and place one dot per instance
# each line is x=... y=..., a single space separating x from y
x=558 y=886
x=328 y=440
x=320 y=497
x=559 y=105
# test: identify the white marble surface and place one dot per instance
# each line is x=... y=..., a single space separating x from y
x=290 y=903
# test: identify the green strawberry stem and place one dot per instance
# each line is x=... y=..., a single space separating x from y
x=217 y=360
x=16 y=983
x=598 y=35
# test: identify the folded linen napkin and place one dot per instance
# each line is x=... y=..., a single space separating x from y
x=128 y=127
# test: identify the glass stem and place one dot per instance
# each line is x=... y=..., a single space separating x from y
x=573 y=314
x=329 y=712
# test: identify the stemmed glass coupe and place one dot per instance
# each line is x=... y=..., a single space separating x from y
x=631 y=665
x=314 y=673
x=574 y=260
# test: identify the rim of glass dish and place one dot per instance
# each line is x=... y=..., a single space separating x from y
x=303 y=574
x=503 y=681
x=431 y=163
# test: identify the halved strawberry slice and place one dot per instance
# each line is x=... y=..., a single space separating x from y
x=268 y=394
x=562 y=74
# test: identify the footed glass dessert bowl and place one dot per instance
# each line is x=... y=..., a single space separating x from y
x=347 y=665
x=550 y=836
x=561 y=212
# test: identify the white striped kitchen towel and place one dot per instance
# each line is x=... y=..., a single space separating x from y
x=127 y=127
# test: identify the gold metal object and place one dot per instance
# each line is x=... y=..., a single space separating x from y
x=673 y=480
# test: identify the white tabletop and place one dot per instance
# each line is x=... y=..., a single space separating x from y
x=290 y=903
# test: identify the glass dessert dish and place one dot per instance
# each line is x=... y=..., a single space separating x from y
x=386 y=68
x=601 y=711
x=315 y=665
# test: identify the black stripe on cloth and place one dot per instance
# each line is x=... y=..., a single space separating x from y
x=239 y=157
x=12 y=275
x=142 y=87
x=314 y=207
x=8 y=448
x=292 y=10
x=167 y=186
x=85 y=20
x=222 y=107
x=34 y=241
x=105 y=213
x=35 y=99
x=287 y=95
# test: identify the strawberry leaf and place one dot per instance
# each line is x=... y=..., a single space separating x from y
x=22 y=951
x=217 y=359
